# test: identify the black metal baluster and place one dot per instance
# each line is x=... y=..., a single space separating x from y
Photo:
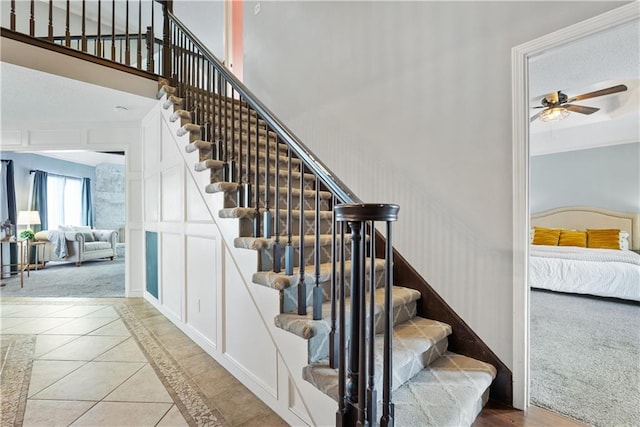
x=335 y=253
x=371 y=391
x=67 y=31
x=219 y=147
x=50 y=28
x=113 y=30
x=84 y=24
x=232 y=161
x=32 y=21
x=241 y=176
x=151 y=40
x=317 y=290
x=209 y=113
x=387 y=404
x=354 y=347
x=256 y=178
x=225 y=128
x=267 y=217
x=127 y=52
x=277 y=249
x=99 y=40
x=12 y=24
x=139 y=49
x=288 y=252
x=302 y=286
x=247 y=186
x=341 y=414
x=362 y=324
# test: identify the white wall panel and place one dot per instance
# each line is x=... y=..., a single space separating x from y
x=134 y=201
x=151 y=198
x=172 y=273
x=172 y=194
x=169 y=154
x=115 y=135
x=135 y=260
x=53 y=136
x=203 y=270
x=151 y=141
x=196 y=208
x=246 y=339
x=11 y=138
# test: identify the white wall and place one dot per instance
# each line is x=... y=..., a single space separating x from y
x=411 y=103
x=205 y=19
x=607 y=177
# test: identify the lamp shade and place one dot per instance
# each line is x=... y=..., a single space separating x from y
x=28 y=217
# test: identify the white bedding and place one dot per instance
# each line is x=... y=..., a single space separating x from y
x=602 y=272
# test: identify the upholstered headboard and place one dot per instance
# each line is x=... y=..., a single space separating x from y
x=582 y=217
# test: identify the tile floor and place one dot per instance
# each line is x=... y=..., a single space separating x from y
x=113 y=362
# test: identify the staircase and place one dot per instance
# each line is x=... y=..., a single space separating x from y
x=431 y=385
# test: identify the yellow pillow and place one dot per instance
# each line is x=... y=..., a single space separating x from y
x=546 y=236
x=603 y=238
x=573 y=238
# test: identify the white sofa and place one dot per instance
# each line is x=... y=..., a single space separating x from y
x=80 y=244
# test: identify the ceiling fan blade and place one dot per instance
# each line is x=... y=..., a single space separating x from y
x=535 y=117
x=601 y=92
x=580 y=109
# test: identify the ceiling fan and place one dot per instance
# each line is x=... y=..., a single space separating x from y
x=557 y=105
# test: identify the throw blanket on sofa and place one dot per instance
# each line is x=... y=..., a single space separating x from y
x=58 y=241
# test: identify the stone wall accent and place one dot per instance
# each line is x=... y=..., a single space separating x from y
x=109 y=201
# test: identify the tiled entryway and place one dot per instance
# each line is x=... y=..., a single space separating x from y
x=112 y=362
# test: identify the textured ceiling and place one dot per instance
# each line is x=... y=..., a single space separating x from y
x=31 y=97
x=601 y=60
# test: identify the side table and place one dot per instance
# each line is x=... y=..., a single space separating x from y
x=20 y=264
x=36 y=247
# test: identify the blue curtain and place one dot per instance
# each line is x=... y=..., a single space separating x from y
x=39 y=199
x=9 y=191
x=87 y=204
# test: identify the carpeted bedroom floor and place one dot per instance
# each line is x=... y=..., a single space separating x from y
x=99 y=278
x=585 y=357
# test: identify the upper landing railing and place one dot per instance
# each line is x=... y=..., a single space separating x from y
x=122 y=31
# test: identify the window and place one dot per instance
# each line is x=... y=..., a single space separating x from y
x=64 y=201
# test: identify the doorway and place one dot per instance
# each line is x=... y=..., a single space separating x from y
x=78 y=192
x=521 y=56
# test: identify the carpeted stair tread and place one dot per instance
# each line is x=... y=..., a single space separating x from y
x=305 y=327
x=260 y=243
x=172 y=100
x=416 y=344
x=222 y=187
x=208 y=164
x=189 y=128
x=165 y=89
x=198 y=144
x=183 y=115
x=240 y=212
x=281 y=281
x=450 y=392
x=215 y=188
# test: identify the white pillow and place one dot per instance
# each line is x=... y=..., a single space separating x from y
x=624 y=241
x=65 y=228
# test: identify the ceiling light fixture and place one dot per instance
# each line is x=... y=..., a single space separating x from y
x=554 y=114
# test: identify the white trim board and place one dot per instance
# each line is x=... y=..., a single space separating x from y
x=520 y=116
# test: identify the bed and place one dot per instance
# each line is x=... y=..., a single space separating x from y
x=601 y=272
